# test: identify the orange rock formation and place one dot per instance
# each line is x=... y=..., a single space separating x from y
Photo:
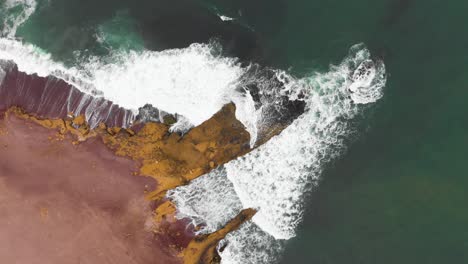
x=171 y=159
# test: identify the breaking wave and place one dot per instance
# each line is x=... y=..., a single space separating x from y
x=195 y=201
x=189 y=81
x=194 y=82
x=275 y=177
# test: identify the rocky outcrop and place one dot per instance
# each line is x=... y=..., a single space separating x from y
x=202 y=249
x=171 y=159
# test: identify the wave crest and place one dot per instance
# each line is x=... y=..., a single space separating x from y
x=194 y=82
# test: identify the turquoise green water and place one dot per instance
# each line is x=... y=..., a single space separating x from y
x=398 y=195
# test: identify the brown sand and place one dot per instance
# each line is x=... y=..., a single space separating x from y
x=67 y=204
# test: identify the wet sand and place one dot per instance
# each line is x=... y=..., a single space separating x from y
x=61 y=203
x=51 y=97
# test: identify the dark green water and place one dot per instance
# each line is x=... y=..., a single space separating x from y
x=398 y=195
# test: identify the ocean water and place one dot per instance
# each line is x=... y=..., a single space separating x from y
x=366 y=174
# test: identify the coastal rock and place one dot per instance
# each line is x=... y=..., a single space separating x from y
x=170 y=159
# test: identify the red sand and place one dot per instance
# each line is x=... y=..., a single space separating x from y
x=66 y=204
x=51 y=97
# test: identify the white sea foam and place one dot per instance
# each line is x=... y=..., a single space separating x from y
x=194 y=82
x=225 y=18
x=363 y=89
x=275 y=177
x=210 y=202
x=250 y=245
x=205 y=198
x=30 y=59
x=15 y=13
x=246 y=113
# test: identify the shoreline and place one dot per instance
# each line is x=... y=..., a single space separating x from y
x=167 y=160
x=71 y=135
x=203 y=148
